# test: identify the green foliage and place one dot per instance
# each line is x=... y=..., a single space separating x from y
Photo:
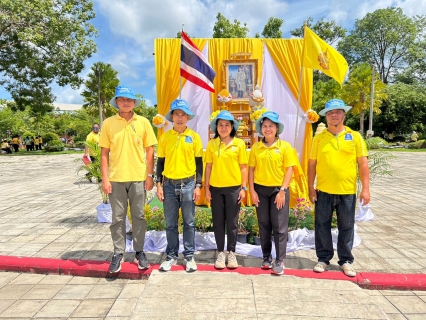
x=404 y=111
x=104 y=75
x=43 y=41
x=357 y=92
x=386 y=36
x=54 y=145
x=203 y=220
x=272 y=28
x=324 y=91
x=223 y=28
x=302 y=210
x=50 y=136
x=329 y=31
x=376 y=143
x=155 y=218
x=421 y=144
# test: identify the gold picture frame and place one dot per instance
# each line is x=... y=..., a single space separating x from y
x=240 y=78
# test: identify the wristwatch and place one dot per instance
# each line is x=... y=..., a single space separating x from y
x=283 y=189
x=198 y=185
x=244 y=188
x=151 y=175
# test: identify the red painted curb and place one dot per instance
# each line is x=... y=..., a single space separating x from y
x=129 y=270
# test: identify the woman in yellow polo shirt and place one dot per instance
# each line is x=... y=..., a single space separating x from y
x=270 y=170
x=226 y=183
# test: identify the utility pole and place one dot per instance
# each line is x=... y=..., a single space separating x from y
x=370 y=131
x=99 y=72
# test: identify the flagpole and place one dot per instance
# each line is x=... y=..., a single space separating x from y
x=180 y=78
x=296 y=133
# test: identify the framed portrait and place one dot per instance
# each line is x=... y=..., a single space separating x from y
x=240 y=77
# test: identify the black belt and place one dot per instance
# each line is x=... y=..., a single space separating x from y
x=178 y=181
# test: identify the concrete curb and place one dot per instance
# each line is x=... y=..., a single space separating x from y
x=129 y=270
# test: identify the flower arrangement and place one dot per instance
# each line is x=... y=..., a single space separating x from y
x=159 y=121
x=214 y=115
x=256 y=114
x=302 y=208
x=311 y=116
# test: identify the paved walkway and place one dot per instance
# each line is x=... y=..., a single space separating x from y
x=46 y=214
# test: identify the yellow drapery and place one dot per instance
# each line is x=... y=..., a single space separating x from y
x=287 y=55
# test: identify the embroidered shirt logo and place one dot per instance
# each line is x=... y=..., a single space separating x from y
x=188 y=139
x=348 y=136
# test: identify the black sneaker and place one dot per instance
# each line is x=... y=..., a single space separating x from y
x=278 y=268
x=267 y=262
x=141 y=260
x=117 y=260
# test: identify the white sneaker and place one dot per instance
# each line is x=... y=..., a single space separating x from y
x=220 y=261
x=167 y=264
x=320 y=267
x=232 y=260
x=348 y=269
x=191 y=266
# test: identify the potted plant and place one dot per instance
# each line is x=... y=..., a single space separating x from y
x=255 y=230
x=242 y=231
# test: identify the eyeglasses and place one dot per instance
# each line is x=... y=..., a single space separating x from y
x=95 y=128
x=124 y=100
x=338 y=112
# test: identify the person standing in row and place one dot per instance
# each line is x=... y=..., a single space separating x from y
x=15 y=143
x=127 y=163
x=179 y=173
x=337 y=154
x=92 y=138
x=40 y=142
x=36 y=143
x=226 y=184
x=271 y=165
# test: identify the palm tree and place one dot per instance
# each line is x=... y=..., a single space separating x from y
x=108 y=82
x=356 y=92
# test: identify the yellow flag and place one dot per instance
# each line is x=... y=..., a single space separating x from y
x=320 y=55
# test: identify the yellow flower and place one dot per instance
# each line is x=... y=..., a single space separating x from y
x=214 y=115
x=312 y=116
x=256 y=114
x=159 y=121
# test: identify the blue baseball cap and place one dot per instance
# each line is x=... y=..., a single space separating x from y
x=224 y=115
x=334 y=104
x=124 y=92
x=271 y=115
x=179 y=104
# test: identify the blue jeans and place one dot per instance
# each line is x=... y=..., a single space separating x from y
x=345 y=210
x=179 y=196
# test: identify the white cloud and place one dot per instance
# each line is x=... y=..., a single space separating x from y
x=67 y=94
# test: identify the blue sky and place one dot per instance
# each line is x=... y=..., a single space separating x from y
x=127 y=29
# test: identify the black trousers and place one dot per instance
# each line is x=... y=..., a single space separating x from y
x=16 y=147
x=271 y=219
x=225 y=209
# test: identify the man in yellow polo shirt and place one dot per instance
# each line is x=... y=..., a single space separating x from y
x=127 y=165
x=92 y=137
x=337 y=154
x=179 y=173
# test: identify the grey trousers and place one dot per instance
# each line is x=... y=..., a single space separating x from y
x=135 y=193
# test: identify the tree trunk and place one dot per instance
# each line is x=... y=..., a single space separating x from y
x=361 y=122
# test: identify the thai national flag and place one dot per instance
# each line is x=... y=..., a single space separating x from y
x=194 y=66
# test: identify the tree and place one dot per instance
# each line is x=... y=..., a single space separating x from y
x=404 y=110
x=272 y=28
x=325 y=91
x=329 y=31
x=357 y=92
x=387 y=37
x=223 y=28
x=108 y=82
x=43 y=41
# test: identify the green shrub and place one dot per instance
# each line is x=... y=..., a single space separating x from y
x=376 y=143
x=50 y=136
x=421 y=144
x=54 y=145
x=203 y=219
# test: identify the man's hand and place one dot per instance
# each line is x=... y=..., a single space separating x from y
x=208 y=195
x=280 y=199
x=364 y=197
x=312 y=195
x=197 y=193
x=106 y=186
x=160 y=194
x=149 y=183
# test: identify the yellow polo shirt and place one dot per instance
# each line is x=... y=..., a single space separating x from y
x=15 y=140
x=126 y=142
x=36 y=141
x=226 y=160
x=179 y=151
x=270 y=163
x=337 y=160
x=92 y=137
